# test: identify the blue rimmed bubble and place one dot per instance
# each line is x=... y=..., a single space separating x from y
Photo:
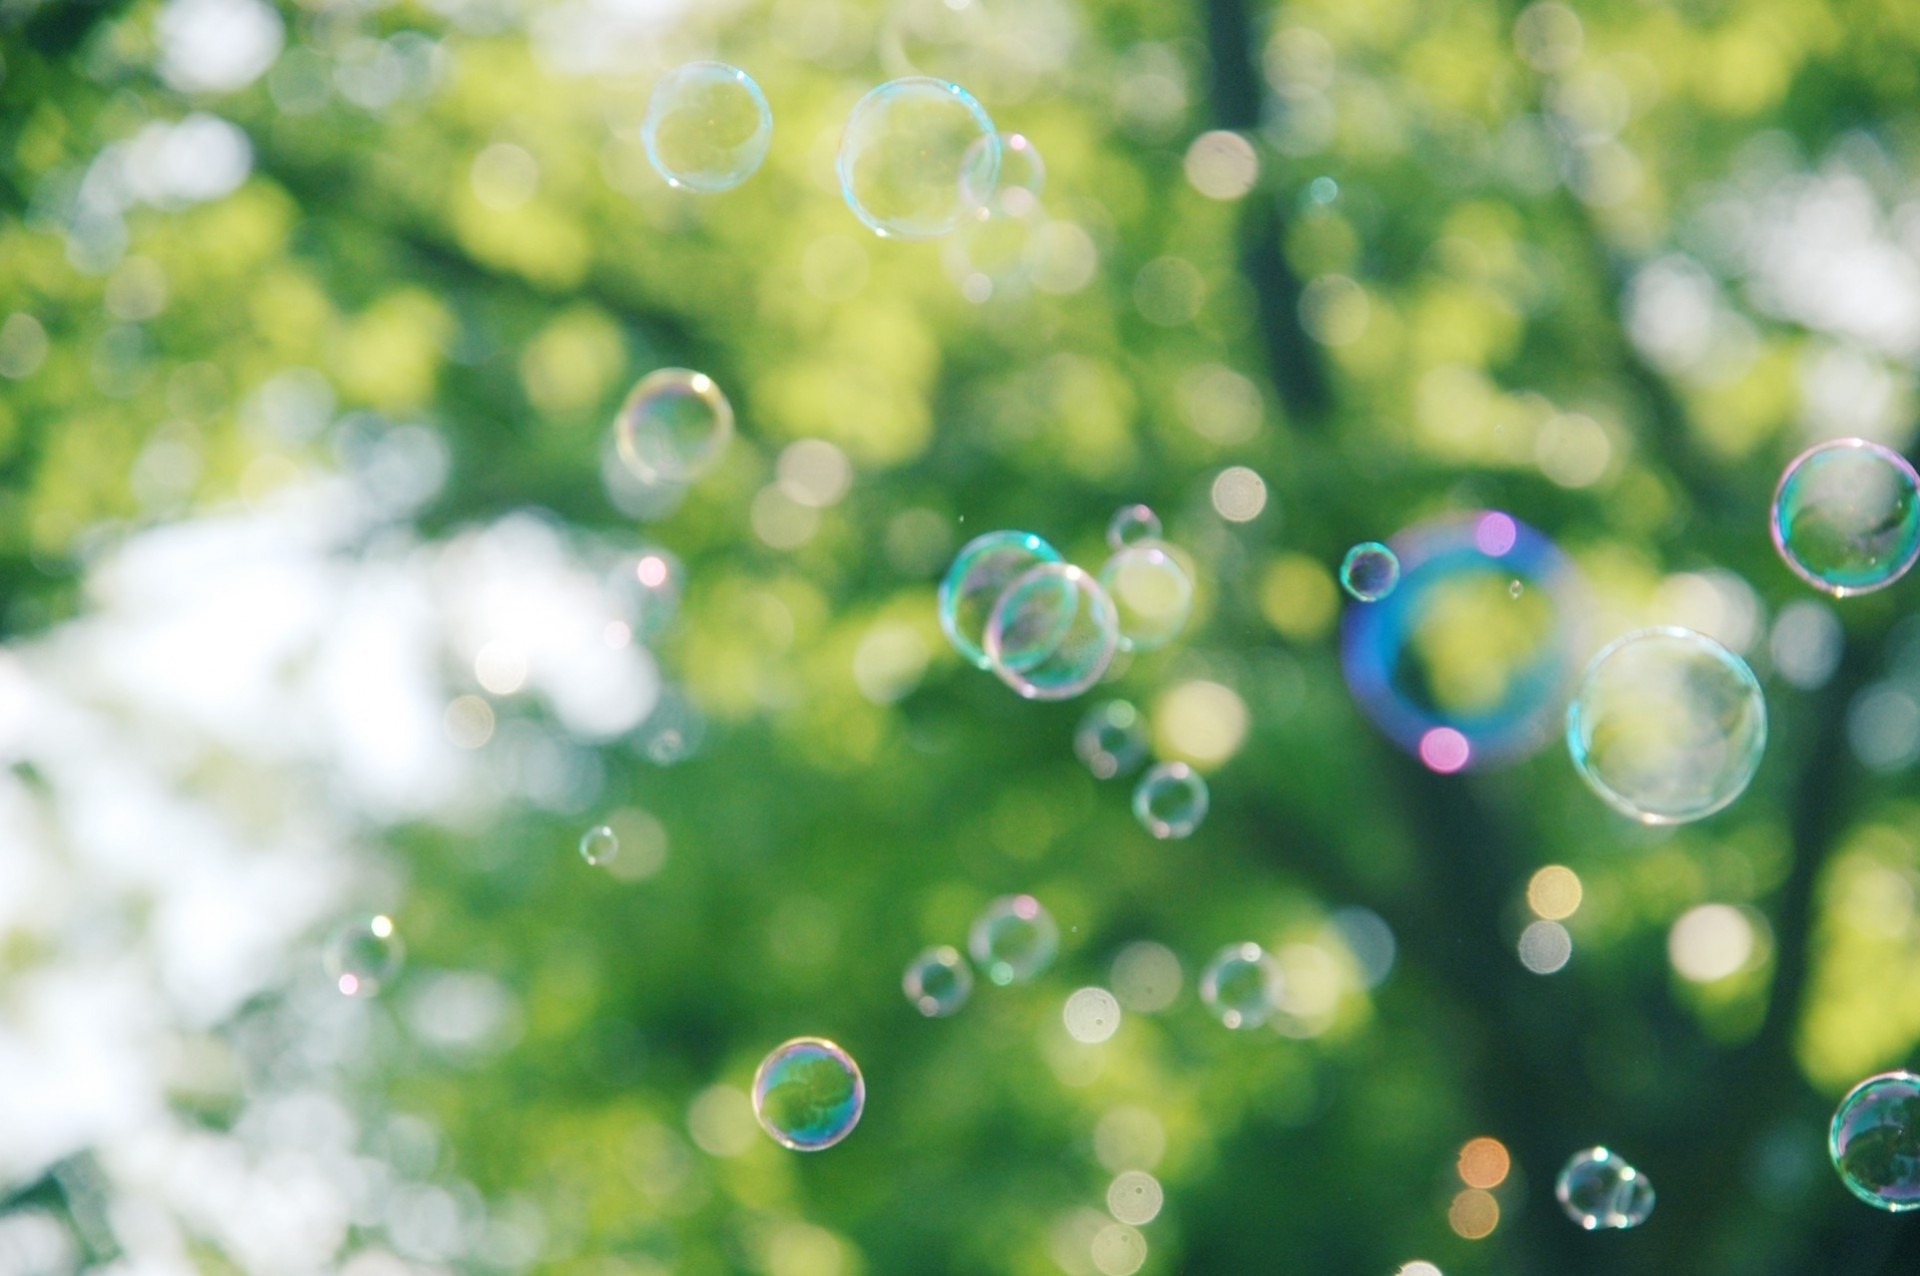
x=1846 y=516
x=916 y=157
x=808 y=1094
x=1450 y=665
x=1875 y=1141
x=1369 y=571
x=708 y=127
x=980 y=574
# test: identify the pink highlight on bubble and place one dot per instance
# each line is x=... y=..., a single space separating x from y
x=1494 y=534
x=1444 y=750
x=1026 y=907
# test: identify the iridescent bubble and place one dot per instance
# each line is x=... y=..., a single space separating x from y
x=673 y=426
x=708 y=127
x=1875 y=1141
x=1449 y=665
x=1369 y=571
x=938 y=982
x=1242 y=985
x=1013 y=939
x=1667 y=725
x=1131 y=525
x=599 y=844
x=1599 y=1190
x=1151 y=593
x=1022 y=175
x=980 y=574
x=1846 y=516
x=1052 y=633
x=915 y=157
x=808 y=1094
x=1170 y=800
x=363 y=954
x=1111 y=739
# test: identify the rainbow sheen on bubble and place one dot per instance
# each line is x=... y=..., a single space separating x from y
x=915 y=158
x=938 y=982
x=1170 y=800
x=1053 y=633
x=1667 y=725
x=980 y=574
x=1369 y=571
x=1152 y=595
x=363 y=954
x=808 y=1094
x=1242 y=985
x=1449 y=665
x=1132 y=525
x=707 y=128
x=1111 y=739
x=599 y=844
x=674 y=426
x=1846 y=516
x=1875 y=1141
x=1013 y=939
x=1599 y=1190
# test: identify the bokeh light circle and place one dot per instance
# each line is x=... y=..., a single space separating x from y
x=1152 y=595
x=916 y=156
x=1875 y=1141
x=707 y=127
x=1846 y=516
x=808 y=1094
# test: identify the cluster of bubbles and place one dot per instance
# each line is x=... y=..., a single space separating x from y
x=1599 y=1190
x=808 y=1094
x=1875 y=1141
x=1012 y=940
x=1170 y=799
x=1012 y=605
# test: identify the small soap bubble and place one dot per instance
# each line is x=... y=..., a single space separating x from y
x=1092 y=1015
x=980 y=574
x=1846 y=516
x=1875 y=1141
x=599 y=844
x=1369 y=571
x=1515 y=589
x=808 y=1094
x=1599 y=1190
x=708 y=127
x=1131 y=525
x=673 y=426
x=1152 y=595
x=1111 y=739
x=918 y=158
x=1242 y=985
x=1053 y=633
x=1022 y=175
x=363 y=954
x=1013 y=939
x=938 y=982
x=1170 y=800
x=1667 y=725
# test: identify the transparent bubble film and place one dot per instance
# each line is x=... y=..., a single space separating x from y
x=980 y=574
x=1452 y=667
x=674 y=426
x=918 y=158
x=808 y=1094
x=707 y=127
x=1053 y=633
x=1846 y=517
x=1152 y=595
x=1668 y=725
x=1874 y=1141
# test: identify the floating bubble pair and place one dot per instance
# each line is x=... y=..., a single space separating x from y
x=1013 y=940
x=1171 y=799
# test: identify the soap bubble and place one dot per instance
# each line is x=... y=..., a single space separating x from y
x=1846 y=516
x=1667 y=726
x=916 y=156
x=808 y=1094
x=599 y=844
x=1131 y=525
x=708 y=127
x=1875 y=1141
x=363 y=954
x=980 y=574
x=1242 y=985
x=1013 y=939
x=1450 y=659
x=1022 y=174
x=938 y=982
x=1052 y=633
x=1111 y=739
x=673 y=426
x=1152 y=595
x=1170 y=800
x=1092 y=1015
x=1599 y=1190
x=1369 y=571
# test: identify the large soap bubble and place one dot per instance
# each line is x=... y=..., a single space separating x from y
x=808 y=1094
x=1846 y=516
x=1667 y=726
x=708 y=127
x=916 y=156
